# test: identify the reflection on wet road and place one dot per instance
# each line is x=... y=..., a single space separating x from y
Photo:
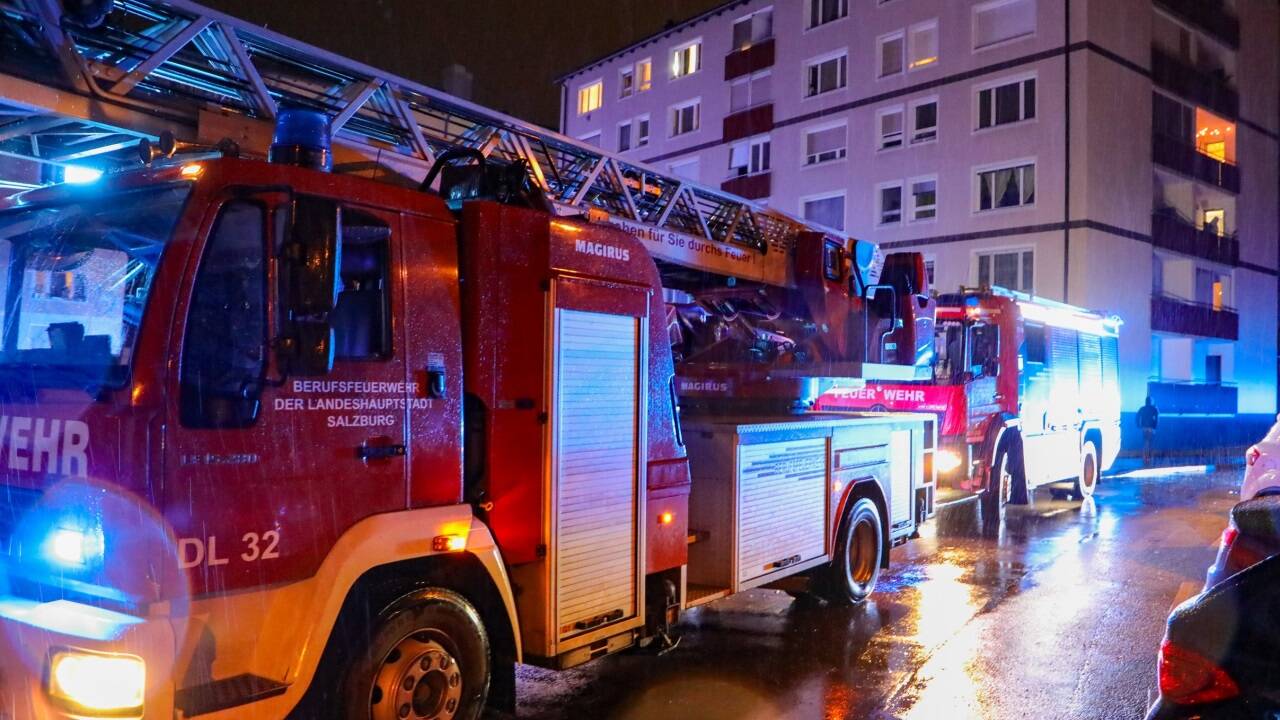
x=1059 y=616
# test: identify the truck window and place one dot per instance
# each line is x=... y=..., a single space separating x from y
x=225 y=349
x=1033 y=343
x=984 y=350
x=360 y=317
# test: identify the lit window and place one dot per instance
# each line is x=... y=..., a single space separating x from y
x=891 y=53
x=751 y=91
x=590 y=97
x=1012 y=270
x=1215 y=136
x=1002 y=21
x=686 y=117
x=924 y=199
x=826 y=144
x=827 y=210
x=891 y=127
x=1215 y=221
x=686 y=59
x=755 y=28
x=822 y=12
x=924 y=45
x=1007 y=187
x=1006 y=104
x=826 y=75
x=924 y=121
x=889 y=204
x=749 y=158
x=626 y=83
x=644 y=75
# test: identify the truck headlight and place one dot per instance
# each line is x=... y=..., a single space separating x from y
x=947 y=461
x=98 y=685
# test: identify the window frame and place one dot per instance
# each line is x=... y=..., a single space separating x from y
x=990 y=4
x=599 y=99
x=909 y=201
x=674 y=108
x=978 y=171
x=748 y=80
x=765 y=156
x=912 y=138
x=751 y=16
x=626 y=124
x=1020 y=250
x=829 y=195
x=879 y=133
x=1020 y=80
x=641 y=85
x=880 y=222
x=936 y=58
x=881 y=41
x=623 y=74
x=385 y=218
x=686 y=162
x=843 y=153
x=813 y=62
x=677 y=51
x=807 y=9
x=636 y=137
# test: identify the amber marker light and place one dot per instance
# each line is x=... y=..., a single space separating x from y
x=449 y=543
x=191 y=172
x=666 y=518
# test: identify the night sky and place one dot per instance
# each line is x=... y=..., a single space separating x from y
x=515 y=50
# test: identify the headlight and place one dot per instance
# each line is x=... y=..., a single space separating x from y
x=946 y=461
x=98 y=684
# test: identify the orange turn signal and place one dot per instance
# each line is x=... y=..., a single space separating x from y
x=449 y=543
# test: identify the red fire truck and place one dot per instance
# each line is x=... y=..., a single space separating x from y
x=277 y=441
x=1026 y=391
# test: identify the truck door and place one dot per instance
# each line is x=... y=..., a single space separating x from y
x=1061 y=450
x=1034 y=381
x=264 y=473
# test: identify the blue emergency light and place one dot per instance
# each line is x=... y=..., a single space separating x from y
x=302 y=138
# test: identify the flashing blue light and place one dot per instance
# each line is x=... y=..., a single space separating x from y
x=80 y=175
x=971 y=301
x=72 y=547
x=302 y=138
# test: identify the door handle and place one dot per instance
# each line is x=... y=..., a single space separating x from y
x=367 y=452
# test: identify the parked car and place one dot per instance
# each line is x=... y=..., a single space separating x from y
x=1221 y=652
x=1252 y=535
x=1262 y=466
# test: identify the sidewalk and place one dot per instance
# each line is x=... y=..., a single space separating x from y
x=1216 y=458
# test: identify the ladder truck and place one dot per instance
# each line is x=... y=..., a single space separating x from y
x=1027 y=392
x=351 y=429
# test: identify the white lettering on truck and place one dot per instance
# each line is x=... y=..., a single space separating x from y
x=57 y=447
x=608 y=252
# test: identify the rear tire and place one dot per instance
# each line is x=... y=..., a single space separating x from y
x=428 y=660
x=852 y=574
x=998 y=493
x=1087 y=480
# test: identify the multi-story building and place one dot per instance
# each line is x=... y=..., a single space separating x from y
x=1122 y=155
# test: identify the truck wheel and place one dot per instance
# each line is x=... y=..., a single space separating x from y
x=1087 y=481
x=426 y=661
x=854 y=570
x=997 y=495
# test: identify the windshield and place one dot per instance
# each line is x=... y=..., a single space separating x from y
x=77 y=276
x=948 y=346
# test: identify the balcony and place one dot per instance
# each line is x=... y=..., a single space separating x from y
x=1210 y=88
x=1183 y=157
x=751 y=187
x=1185 y=398
x=747 y=123
x=1184 y=317
x=1171 y=232
x=1212 y=16
x=749 y=59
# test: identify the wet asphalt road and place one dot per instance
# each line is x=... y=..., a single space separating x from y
x=1058 y=617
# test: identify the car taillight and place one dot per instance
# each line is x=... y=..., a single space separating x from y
x=1251 y=455
x=1229 y=536
x=1188 y=678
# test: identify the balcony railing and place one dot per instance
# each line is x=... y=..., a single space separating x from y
x=1210 y=88
x=747 y=123
x=1182 y=156
x=1185 y=398
x=1172 y=232
x=751 y=187
x=1185 y=317
x=749 y=59
x=1210 y=15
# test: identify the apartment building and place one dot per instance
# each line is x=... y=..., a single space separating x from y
x=1121 y=154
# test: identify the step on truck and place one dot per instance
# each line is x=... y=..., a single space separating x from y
x=283 y=442
x=1027 y=393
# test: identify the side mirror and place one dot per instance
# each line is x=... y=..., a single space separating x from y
x=311 y=258
x=308 y=349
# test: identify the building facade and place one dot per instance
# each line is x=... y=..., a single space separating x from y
x=1122 y=155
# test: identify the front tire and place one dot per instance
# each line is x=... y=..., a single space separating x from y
x=998 y=493
x=427 y=659
x=1087 y=480
x=852 y=575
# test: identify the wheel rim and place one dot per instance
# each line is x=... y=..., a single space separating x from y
x=863 y=557
x=1089 y=478
x=419 y=680
x=1006 y=482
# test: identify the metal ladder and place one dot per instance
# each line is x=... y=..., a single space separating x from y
x=77 y=93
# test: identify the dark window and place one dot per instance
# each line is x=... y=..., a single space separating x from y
x=984 y=350
x=360 y=318
x=225 y=348
x=1034 y=350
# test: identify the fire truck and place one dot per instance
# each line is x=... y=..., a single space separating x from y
x=332 y=434
x=1026 y=391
